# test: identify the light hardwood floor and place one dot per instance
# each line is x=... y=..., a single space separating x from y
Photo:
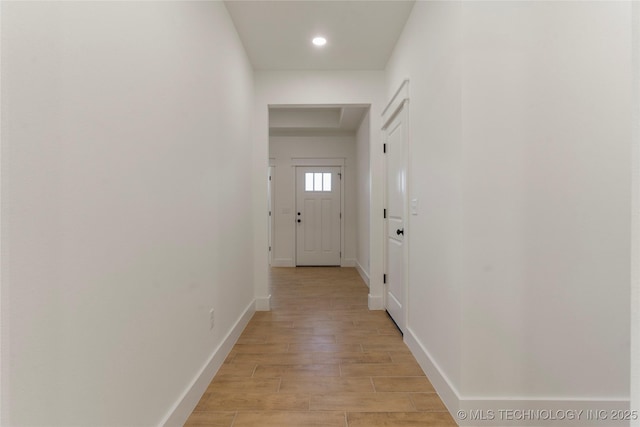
x=320 y=358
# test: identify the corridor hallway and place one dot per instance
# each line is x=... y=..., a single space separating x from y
x=320 y=358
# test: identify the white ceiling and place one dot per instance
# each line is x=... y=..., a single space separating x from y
x=338 y=120
x=277 y=34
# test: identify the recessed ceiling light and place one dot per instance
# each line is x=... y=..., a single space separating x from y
x=319 y=41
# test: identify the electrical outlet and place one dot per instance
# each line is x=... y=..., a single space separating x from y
x=211 y=318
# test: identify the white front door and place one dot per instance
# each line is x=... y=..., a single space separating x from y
x=318 y=215
x=395 y=137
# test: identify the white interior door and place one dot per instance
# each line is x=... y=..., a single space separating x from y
x=395 y=136
x=318 y=215
x=270 y=198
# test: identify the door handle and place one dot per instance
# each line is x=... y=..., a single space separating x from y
x=400 y=231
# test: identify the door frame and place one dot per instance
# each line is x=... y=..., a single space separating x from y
x=326 y=162
x=399 y=104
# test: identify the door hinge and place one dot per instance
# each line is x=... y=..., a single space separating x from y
x=269 y=213
x=384 y=148
x=340 y=215
x=340 y=255
x=384 y=278
x=269 y=177
x=340 y=175
x=269 y=248
x=384 y=213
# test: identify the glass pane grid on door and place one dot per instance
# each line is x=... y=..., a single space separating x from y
x=314 y=181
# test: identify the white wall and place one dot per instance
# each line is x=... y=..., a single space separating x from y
x=556 y=208
x=635 y=221
x=285 y=148
x=520 y=148
x=363 y=171
x=126 y=205
x=315 y=88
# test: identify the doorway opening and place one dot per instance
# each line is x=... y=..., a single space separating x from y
x=320 y=195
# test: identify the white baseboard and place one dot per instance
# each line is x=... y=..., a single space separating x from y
x=263 y=304
x=283 y=262
x=191 y=396
x=348 y=262
x=441 y=383
x=514 y=412
x=376 y=302
x=363 y=274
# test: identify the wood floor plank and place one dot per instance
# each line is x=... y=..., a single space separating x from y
x=401 y=357
x=236 y=370
x=362 y=402
x=288 y=371
x=403 y=384
x=277 y=358
x=252 y=339
x=392 y=341
x=326 y=385
x=324 y=347
x=307 y=317
x=210 y=419
x=385 y=346
x=381 y=370
x=230 y=384
x=290 y=419
x=333 y=324
x=352 y=357
x=283 y=332
x=309 y=338
x=261 y=348
x=239 y=401
x=270 y=324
